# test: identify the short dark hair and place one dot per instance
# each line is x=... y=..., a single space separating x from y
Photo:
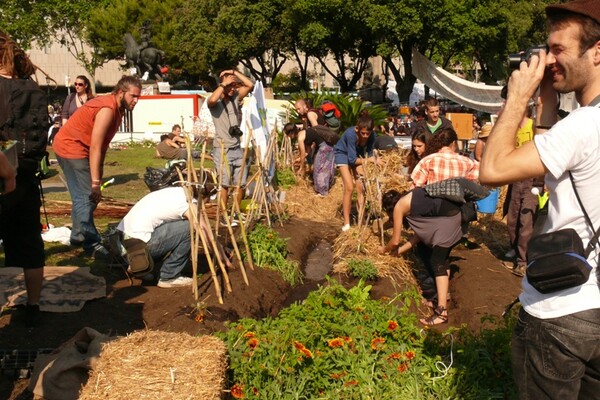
x=589 y=32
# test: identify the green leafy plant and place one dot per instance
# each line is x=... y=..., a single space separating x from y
x=362 y=268
x=349 y=106
x=341 y=344
x=285 y=178
x=269 y=251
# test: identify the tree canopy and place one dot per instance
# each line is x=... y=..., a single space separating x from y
x=205 y=36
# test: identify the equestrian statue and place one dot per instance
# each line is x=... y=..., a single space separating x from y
x=144 y=58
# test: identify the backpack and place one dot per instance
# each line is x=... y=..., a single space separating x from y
x=24 y=118
x=332 y=115
x=327 y=134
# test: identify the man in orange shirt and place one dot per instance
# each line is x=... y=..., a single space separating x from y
x=80 y=148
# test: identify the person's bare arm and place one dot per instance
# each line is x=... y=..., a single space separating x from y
x=501 y=162
x=102 y=124
x=478 y=150
x=246 y=87
x=401 y=209
x=312 y=118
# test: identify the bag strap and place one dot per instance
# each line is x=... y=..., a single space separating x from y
x=594 y=239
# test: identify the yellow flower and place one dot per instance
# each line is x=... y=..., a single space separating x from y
x=249 y=335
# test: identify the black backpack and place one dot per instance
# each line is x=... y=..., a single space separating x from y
x=24 y=118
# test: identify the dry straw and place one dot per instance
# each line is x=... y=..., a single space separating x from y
x=159 y=365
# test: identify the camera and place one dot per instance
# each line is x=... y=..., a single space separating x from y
x=235 y=131
x=515 y=59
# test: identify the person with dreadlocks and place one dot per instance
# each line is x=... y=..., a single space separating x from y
x=20 y=228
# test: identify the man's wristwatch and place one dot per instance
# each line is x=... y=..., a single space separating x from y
x=221 y=85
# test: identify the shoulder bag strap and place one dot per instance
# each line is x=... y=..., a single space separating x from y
x=594 y=240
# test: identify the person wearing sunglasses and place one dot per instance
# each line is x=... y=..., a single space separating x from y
x=82 y=93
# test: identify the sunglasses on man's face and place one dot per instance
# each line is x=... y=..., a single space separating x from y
x=79 y=84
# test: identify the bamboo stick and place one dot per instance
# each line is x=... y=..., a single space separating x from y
x=236 y=249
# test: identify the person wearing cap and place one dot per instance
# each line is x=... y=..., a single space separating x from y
x=555 y=352
x=225 y=105
x=481 y=140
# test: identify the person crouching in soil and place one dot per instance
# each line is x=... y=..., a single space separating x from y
x=436 y=223
x=323 y=161
x=351 y=151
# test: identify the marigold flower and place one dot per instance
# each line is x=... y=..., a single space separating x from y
x=402 y=367
x=338 y=376
x=394 y=356
x=249 y=335
x=409 y=355
x=237 y=391
x=353 y=382
x=252 y=343
x=377 y=343
x=337 y=342
x=392 y=325
x=306 y=352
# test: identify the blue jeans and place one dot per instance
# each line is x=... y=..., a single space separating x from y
x=557 y=358
x=173 y=237
x=79 y=181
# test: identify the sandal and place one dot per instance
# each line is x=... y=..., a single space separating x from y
x=438 y=318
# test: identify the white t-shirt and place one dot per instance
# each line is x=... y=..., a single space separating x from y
x=573 y=144
x=154 y=209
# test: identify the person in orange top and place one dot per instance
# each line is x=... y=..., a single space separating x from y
x=80 y=148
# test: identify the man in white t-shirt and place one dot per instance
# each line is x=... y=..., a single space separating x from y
x=161 y=220
x=555 y=352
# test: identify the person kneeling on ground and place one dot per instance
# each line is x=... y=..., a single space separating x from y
x=161 y=220
x=169 y=150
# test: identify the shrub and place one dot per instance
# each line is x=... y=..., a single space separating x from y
x=363 y=269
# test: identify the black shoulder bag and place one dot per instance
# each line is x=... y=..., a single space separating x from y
x=557 y=260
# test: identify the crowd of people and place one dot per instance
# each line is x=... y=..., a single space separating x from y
x=554 y=352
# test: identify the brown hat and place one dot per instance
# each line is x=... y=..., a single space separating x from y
x=588 y=8
x=485 y=131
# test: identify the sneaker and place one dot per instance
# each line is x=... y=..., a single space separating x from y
x=32 y=315
x=99 y=253
x=175 y=282
x=510 y=254
x=346 y=228
x=232 y=222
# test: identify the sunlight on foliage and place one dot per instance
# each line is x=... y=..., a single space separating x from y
x=339 y=343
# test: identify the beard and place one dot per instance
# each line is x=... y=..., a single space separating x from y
x=123 y=105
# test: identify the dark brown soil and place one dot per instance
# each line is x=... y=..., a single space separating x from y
x=480 y=286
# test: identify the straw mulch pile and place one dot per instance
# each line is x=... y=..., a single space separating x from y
x=159 y=365
x=302 y=200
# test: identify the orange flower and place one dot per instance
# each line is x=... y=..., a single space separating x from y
x=337 y=342
x=249 y=335
x=255 y=391
x=348 y=339
x=338 y=376
x=392 y=325
x=377 y=343
x=253 y=343
x=409 y=355
x=394 y=356
x=351 y=383
x=306 y=352
x=402 y=367
x=237 y=391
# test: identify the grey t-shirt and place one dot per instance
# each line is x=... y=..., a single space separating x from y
x=225 y=115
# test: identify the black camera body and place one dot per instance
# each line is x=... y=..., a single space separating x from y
x=235 y=131
x=515 y=59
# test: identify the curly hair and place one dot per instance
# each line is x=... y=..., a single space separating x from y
x=13 y=59
x=442 y=138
